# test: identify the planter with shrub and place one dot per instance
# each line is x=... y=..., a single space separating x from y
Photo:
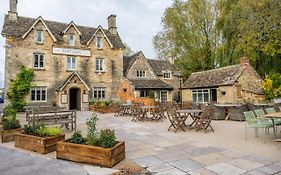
x=39 y=138
x=103 y=106
x=98 y=148
x=10 y=125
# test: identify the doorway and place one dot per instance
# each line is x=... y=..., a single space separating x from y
x=74 y=99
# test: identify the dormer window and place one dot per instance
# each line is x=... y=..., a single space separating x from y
x=167 y=74
x=71 y=40
x=39 y=36
x=99 y=42
x=140 y=73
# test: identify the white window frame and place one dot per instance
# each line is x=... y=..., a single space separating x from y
x=69 y=65
x=161 y=98
x=40 y=89
x=41 y=34
x=100 y=93
x=196 y=93
x=141 y=73
x=37 y=58
x=99 y=42
x=71 y=41
x=169 y=73
x=99 y=65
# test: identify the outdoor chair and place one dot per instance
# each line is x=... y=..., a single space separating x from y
x=236 y=112
x=260 y=113
x=137 y=113
x=176 y=121
x=219 y=113
x=253 y=122
x=272 y=110
x=205 y=119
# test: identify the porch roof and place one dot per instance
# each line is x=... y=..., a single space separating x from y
x=67 y=80
x=151 y=84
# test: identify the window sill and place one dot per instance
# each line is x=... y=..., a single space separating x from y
x=39 y=69
x=99 y=71
x=70 y=70
x=39 y=43
x=99 y=48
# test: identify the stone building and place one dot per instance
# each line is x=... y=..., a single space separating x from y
x=232 y=84
x=144 y=78
x=73 y=64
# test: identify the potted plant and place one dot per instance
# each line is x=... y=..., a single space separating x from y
x=39 y=138
x=98 y=148
x=10 y=125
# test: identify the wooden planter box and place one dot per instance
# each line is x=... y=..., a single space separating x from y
x=103 y=110
x=41 y=145
x=8 y=135
x=106 y=157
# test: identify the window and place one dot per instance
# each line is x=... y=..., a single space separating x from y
x=144 y=93
x=167 y=75
x=140 y=73
x=99 y=43
x=239 y=91
x=99 y=92
x=71 y=40
x=38 y=94
x=71 y=63
x=99 y=65
x=204 y=95
x=38 y=61
x=39 y=36
x=163 y=96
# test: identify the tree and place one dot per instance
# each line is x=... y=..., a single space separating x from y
x=271 y=86
x=128 y=51
x=189 y=37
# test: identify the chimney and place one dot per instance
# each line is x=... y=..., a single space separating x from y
x=111 y=20
x=244 y=61
x=12 y=13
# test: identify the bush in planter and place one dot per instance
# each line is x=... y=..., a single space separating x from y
x=107 y=138
x=41 y=130
x=10 y=122
x=92 y=134
x=77 y=138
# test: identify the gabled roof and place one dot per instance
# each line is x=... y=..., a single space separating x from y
x=67 y=80
x=73 y=25
x=100 y=29
x=39 y=19
x=216 y=77
x=129 y=61
x=18 y=28
x=159 y=66
x=151 y=84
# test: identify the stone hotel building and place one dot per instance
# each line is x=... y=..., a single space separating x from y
x=74 y=64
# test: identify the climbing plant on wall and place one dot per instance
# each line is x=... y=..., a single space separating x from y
x=20 y=87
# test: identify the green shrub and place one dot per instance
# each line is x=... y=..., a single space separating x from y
x=92 y=134
x=107 y=138
x=10 y=111
x=77 y=138
x=10 y=122
x=41 y=130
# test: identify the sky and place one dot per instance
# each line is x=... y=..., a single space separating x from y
x=137 y=20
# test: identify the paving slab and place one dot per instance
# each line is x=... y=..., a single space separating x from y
x=187 y=165
x=210 y=159
x=225 y=169
x=245 y=164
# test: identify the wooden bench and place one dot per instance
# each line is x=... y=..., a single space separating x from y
x=52 y=116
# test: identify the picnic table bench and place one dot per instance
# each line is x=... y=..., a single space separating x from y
x=52 y=116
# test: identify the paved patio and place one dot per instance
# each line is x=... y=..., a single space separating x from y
x=223 y=152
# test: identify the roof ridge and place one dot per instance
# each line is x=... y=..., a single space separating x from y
x=217 y=69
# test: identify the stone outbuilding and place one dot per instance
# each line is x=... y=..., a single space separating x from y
x=231 y=84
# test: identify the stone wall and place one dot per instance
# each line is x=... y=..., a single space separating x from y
x=20 y=52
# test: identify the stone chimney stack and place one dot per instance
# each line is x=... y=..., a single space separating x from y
x=111 y=20
x=12 y=13
x=244 y=61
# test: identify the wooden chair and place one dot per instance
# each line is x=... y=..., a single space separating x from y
x=176 y=121
x=137 y=113
x=205 y=119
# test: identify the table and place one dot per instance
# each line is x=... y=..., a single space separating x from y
x=125 y=109
x=272 y=116
x=145 y=110
x=193 y=113
x=226 y=106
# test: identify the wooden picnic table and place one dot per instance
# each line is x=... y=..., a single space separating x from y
x=272 y=116
x=226 y=107
x=193 y=113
